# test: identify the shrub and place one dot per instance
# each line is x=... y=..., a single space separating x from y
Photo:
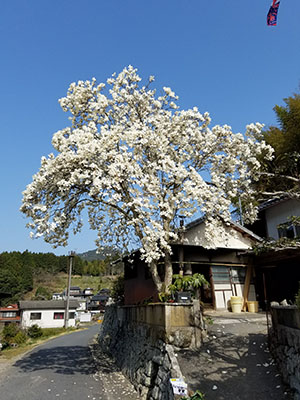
x=9 y=332
x=34 y=331
x=42 y=293
x=117 y=292
x=20 y=338
x=13 y=334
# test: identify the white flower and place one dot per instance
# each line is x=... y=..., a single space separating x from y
x=135 y=164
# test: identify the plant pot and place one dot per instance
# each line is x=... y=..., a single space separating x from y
x=252 y=306
x=182 y=297
x=236 y=304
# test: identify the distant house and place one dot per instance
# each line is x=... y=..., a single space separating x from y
x=82 y=296
x=47 y=313
x=75 y=291
x=224 y=266
x=88 y=292
x=97 y=302
x=9 y=314
x=57 y=296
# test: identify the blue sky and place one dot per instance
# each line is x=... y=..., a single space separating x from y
x=217 y=55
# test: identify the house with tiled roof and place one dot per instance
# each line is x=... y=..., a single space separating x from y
x=223 y=263
x=47 y=313
x=9 y=314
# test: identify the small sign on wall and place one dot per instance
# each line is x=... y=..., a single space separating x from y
x=179 y=386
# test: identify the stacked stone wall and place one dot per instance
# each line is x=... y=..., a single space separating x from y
x=147 y=361
x=285 y=347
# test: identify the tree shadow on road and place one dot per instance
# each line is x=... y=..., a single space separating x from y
x=68 y=360
x=233 y=368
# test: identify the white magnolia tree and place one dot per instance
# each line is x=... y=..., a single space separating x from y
x=136 y=162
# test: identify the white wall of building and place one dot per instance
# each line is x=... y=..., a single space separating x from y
x=229 y=239
x=47 y=319
x=85 y=317
x=279 y=214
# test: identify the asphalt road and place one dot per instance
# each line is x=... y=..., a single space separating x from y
x=62 y=368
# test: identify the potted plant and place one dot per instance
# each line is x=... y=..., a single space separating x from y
x=186 y=286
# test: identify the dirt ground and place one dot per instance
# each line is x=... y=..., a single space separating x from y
x=234 y=363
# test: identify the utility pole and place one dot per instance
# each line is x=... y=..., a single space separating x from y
x=67 y=302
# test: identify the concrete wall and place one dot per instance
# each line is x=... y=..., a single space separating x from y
x=140 y=340
x=47 y=319
x=278 y=214
x=285 y=344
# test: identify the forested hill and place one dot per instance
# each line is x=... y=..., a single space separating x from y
x=19 y=271
x=91 y=255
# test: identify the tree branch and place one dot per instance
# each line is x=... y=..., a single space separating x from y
x=272 y=175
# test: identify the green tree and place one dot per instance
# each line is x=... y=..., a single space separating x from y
x=13 y=278
x=63 y=263
x=281 y=176
x=77 y=266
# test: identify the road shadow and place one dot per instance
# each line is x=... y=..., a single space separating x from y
x=67 y=360
x=233 y=367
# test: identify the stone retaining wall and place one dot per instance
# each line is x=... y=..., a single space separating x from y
x=285 y=345
x=141 y=349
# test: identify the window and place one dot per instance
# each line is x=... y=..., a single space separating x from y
x=238 y=275
x=289 y=232
x=9 y=314
x=36 y=315
x=221 y=274
x=58 y=315
x=71 y=315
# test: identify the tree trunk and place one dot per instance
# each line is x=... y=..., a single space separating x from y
x=159 y=284
x=156 y=278
x=168 y=271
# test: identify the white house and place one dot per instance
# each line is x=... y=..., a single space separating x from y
x=46 y=313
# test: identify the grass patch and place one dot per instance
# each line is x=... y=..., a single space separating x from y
x=9 y=353
x=49 y=332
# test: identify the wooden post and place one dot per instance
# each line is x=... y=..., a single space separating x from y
x=247 y=285
x=266 y=303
